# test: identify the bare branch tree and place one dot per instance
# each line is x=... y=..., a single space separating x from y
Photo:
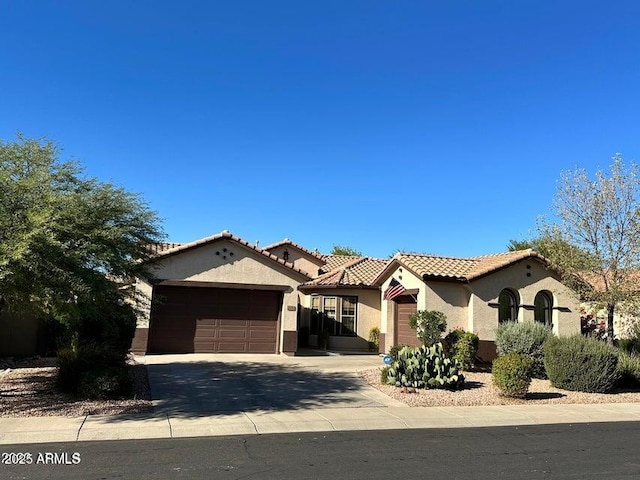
x=600 y=217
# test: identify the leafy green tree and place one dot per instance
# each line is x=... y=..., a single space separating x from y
x=546 y=245
x=69 y=243
x=597 y=235
x=343 y=250
x=429 y=325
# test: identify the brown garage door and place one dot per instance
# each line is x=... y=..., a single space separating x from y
x=206 y=320
x=405 y=335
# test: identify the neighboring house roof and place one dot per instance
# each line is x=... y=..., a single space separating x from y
x=357 y=272
x=336 y=261
x=182 y=247
x=289 y=243
x=628 y=280
x=451 y=268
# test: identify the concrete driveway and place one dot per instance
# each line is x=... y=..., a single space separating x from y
x=205 y=384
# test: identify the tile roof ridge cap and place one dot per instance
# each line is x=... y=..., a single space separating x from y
x=527 y=251
x=345 y=265
x=288 y=241
x=229 y=235
x=433 y=255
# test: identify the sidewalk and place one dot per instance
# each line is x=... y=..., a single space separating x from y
x=120 y=427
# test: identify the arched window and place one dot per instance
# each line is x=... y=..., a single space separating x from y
x=507 y=307
x=543 y=304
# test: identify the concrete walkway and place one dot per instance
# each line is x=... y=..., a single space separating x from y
x=279 y=394
x=101 y=427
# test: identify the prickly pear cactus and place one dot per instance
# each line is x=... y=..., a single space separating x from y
x=425 y=367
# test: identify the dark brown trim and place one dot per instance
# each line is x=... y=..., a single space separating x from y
x=140 y=341
x=289 y=341
x=562 y=309
x=411 y=291
x=242 y=286
x=493 y=304
x=443 y=278
x=311 y=288
x=528 y=307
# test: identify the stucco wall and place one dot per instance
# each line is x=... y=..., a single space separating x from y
x=525 y=278
x=452 y=299
x=467 y=305
x=299 y=259
x=241 y=266
x=367 y=316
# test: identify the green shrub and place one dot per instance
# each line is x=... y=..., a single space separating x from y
x=76 y=364
x=629 y=368
x=374 y=339
x=629 y=345
x=425 y=367
x=462 y=346
x=511 y=374
x=526 y=338
x=429 y=325
x=384 y=375
x=108 y=382
x=581 y=363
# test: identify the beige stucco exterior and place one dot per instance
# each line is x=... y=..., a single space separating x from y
x=305 y=262
x=473 y=305
x=226 y=263
x=526 y=279
x=367 y=316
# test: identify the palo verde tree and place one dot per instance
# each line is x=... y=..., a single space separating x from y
x=597 y=237
x=68 y=243
x=343 y=250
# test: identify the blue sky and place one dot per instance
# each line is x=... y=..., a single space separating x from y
x=425 y=126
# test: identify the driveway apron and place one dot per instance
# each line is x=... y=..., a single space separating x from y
x=217 y=383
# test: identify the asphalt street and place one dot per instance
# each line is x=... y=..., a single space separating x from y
x=590 y=451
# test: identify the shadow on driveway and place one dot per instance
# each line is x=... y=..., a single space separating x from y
x=211 y=388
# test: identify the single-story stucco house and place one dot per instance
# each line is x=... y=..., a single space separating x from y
x=223 y=294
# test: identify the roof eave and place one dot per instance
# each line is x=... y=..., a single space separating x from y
x=305 y=288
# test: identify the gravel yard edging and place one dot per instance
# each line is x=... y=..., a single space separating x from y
x=29 y=390
x=479 y=391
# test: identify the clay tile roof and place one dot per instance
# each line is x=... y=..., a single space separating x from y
x=288 y=242
x=356 y=272
x=435 y=266
x=335 y=261
x=464 y=269
x=225 y=234
x=489 y=263
x=161 y=247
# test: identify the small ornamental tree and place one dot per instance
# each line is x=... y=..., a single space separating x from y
x=429 y=325
x=597 y=238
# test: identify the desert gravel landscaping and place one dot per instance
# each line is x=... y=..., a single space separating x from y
x=479 y=390
x=27 y=389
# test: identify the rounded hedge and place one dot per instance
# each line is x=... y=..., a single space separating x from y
x=462 y=346
x=581 y=364
x=511 y=374
x=525 y=338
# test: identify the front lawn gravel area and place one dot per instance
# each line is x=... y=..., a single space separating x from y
x=28 y=389
x=479 y=390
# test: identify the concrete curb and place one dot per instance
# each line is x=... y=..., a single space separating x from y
x=177 y=425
